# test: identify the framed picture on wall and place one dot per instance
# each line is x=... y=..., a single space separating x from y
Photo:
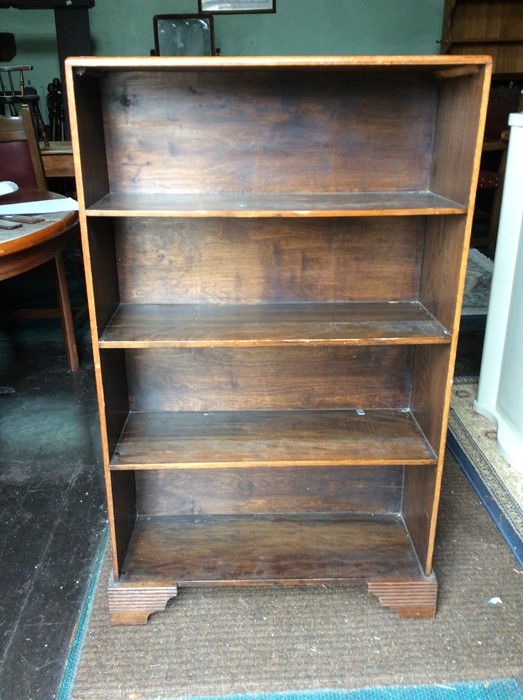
x=236 y=6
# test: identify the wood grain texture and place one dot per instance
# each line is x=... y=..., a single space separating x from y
x=284 y=131
x=270 y=439
x=275 y=242
x=96 y=66
x=259 y=378
x=432 y=382
x=105 y=293
x=270 y=549
x=211 y=325
x=276 y=490
x=122 y=514
x=88 y=139
x=411 y=598
x=292 y=204
x=252 y=261
x=441 y=283
x=133 y=606
x=482 y=27
x=113 y=396
x=419 y=495
x=459 y=135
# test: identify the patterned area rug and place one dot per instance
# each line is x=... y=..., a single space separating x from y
x=472 y=440
x=477 y=284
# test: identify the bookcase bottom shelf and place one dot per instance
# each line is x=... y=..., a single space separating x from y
x=167 y=552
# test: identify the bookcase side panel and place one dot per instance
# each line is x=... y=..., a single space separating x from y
x=88 y=136
x=459 y=132
x=443 y=268
x=103 y=270
x=121 y=502
x=431 y=384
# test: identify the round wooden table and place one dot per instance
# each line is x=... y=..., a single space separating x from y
x=31 y=245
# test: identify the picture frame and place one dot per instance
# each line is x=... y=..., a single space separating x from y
x=222 y=7
x=184 y=35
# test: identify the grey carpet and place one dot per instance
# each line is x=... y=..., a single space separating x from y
x=218 y=641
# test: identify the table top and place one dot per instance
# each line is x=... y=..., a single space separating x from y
x=57 y=158
x=33 y=234
x=56 y=148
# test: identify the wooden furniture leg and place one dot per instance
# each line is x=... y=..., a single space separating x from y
x=415 y=598
x=133 y=605
x=66 y=316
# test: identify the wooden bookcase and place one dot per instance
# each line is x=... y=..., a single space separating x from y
x=275 y=255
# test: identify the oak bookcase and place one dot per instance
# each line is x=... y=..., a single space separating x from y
x=275 y=255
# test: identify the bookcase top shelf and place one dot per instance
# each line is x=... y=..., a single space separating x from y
x=408 y=63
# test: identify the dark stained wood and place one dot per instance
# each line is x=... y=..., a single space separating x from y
x=270 y=439
x=211 y=325
x=282 y=131
x=419 y=498
x=258 y=378
x=165 y=261
x=121 y=492
x=251 y=205
x=88 y=138
x=430 y=384
x=443 y=269
x=104 y=283
x=112 y=397
x=278 y=490
x=121 y=506
x=272 y=244
x=459 y=135
x=249 y=549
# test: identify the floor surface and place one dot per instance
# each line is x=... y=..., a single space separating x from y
x=52 y=513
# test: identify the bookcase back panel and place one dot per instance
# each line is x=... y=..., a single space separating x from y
x=210 y=379
x=269 y=131
x=255 y=260
x=278 y=490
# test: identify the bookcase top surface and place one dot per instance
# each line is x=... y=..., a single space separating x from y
x=231 y=62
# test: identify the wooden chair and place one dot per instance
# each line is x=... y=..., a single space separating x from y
x=21 y=162
x=13 y=95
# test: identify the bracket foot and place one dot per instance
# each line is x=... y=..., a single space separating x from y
x=411 y=598
x=132 y=605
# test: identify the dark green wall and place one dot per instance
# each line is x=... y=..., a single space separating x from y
x=124 y=27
